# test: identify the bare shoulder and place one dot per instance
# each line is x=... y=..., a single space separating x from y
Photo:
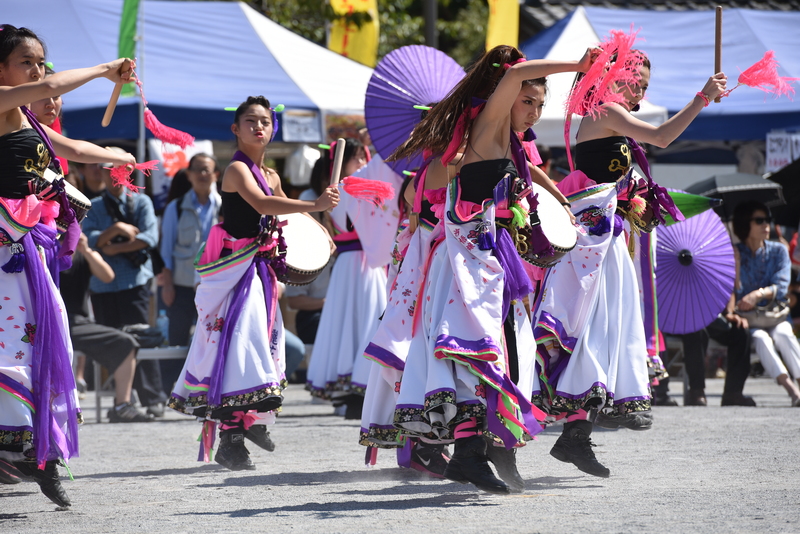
x=235 y=175
x=274 y=181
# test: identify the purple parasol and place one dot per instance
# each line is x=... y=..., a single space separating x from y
x=410 y=76
x=695 y=272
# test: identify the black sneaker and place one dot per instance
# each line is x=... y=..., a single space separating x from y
x=429 y=459
x=471 y=464
x=575 y=446
x=232 y=453
x=127 y=413
x=630 y=420
x=258 y=434
x=737 y=400
x=505 y=462
x=48 y=481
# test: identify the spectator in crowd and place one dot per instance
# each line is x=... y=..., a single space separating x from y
x=547 y=158
x=185 y=226
x=112 y=348
x=764 y=269
x=559 y=169
x=727 y=329
x=122 y=226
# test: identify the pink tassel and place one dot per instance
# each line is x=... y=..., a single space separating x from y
x=373 y=191
x=165 y=133
x=764 y=75
x=600 y=84
x=638 y=205
x=122 y=174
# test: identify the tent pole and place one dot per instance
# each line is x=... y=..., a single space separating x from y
x=140 y=143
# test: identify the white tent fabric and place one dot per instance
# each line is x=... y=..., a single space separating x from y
x=198 y=58
x=574 y=39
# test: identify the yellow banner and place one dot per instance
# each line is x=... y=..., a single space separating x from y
x=347 y=38
x=503 y=27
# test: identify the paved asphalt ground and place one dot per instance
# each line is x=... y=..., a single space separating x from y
x=699 y=470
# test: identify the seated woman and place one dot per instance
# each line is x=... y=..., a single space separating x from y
x=763 y=276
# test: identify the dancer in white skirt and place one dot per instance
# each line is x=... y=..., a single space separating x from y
x=462 y=372
x=390 y=344
x=593 y=347
x=356 y=296
x=234 y=372
x=39 y=410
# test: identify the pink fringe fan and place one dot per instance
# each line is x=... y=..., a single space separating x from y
x=122 y=174
x=600 y=85
x=601 y=82
x=373 y=191
x=764 y=75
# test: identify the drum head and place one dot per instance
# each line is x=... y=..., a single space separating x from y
x=307 y=245
x=555 y=221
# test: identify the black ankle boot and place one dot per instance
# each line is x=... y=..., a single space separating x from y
x=48 y=480
x=470 y=464
x=259 y=435
x=505 y=461
x=232 y=453
x=575 y=446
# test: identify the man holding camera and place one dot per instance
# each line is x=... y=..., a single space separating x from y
x=122 y=226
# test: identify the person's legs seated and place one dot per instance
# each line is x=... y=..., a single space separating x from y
x=773 y=366
x=738 y=341
x=694 y=350
x=124 y=411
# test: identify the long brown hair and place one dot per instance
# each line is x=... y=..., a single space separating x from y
x=436 y=129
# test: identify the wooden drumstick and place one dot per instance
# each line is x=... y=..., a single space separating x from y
x=718 y=46
x=337 y=161
x=127 y=65
x=112 y=104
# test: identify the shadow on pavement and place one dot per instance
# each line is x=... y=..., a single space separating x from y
x=331 y=510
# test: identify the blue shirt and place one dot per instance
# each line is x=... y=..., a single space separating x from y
x=144 y=218
x=169 y=224
x=769 y=266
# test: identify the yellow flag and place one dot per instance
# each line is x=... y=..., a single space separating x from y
x=358 y=43
x=503 y=27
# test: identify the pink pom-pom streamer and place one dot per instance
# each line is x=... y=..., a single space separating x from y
x=600 y=85
x=122 y=174
x=373 y=191
x=165 y=133
x=764 y=75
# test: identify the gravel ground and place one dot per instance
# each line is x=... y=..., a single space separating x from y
x=708 y=470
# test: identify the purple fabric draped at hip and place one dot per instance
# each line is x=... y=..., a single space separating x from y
x=53 y=380
x=240 y=294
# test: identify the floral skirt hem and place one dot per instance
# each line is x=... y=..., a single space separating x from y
x=266 y=399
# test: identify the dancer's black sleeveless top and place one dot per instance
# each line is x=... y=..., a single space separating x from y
x=23 y=157
x=478 y=179
x=604 y=160
x=240 y=219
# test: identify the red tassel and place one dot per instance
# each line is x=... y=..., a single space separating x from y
x=165 y=133
x=373 y=191
x=122 y=174
x=764 y=75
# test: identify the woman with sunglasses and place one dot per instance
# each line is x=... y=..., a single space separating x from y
x=763 y=277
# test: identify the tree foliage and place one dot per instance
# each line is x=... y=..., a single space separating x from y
x=461 y=23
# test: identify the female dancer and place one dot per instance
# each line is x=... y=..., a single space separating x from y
x=390 y=344
x=356 y=294
x=235 y=363
x=459 y=377
x=590 y=326
x=39 y=417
